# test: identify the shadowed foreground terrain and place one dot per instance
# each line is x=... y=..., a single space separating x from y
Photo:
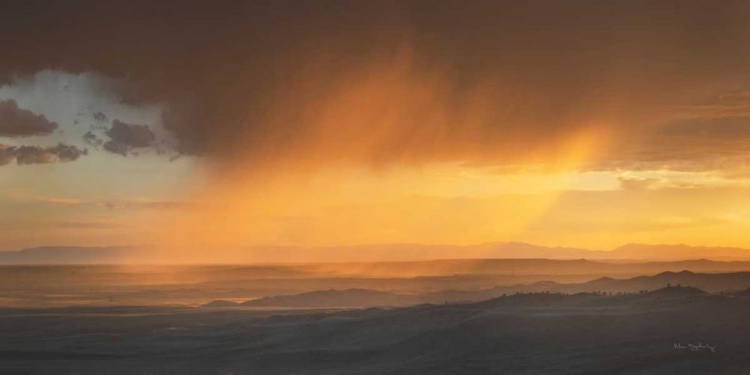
x=526 y=333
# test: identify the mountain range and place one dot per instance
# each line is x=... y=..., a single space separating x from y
x=374 y=253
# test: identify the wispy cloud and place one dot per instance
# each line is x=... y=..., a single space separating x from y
x=87 y=225
x=19 y=122
x=112 y=204
x=24 y=155
x=138 y=204
x=59 y=201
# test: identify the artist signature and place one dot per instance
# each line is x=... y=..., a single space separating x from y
x=694 y=347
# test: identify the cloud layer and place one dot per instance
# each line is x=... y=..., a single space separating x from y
x=302 y=85
x=24 y=155
x=123 y=137
x=315 y=116
x=18 y=122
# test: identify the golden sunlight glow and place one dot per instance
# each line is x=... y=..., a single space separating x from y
x=436 y=203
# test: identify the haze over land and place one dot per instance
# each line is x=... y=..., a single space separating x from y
x=531 y=333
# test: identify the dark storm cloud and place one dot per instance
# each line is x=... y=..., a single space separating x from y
x=395 y=82
x=92 y=139
x=40 y=155
x=18 y=122
x=124 y=137
x=116 y=148
x=131 y=135
x=99 y=117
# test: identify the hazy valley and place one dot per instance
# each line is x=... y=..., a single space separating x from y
x=455 y=316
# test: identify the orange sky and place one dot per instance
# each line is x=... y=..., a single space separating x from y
x=576 y=124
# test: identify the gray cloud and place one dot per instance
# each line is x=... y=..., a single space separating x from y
x=24 y=155
x=124 y=137
x=18 y=122
x=92 y=139
x=99 y=117
x=7 y=155
x=116 y=148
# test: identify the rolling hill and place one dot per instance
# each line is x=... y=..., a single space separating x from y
x=667 y=284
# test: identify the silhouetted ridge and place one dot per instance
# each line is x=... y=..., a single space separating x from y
x=543 y=299
x=678 y=284
x=354 y=297
x=742 y=293
x=221 y=303
x=677 y=291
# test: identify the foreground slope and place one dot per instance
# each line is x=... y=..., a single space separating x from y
x=525 y=333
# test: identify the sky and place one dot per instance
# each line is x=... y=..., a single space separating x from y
x=194 y=124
